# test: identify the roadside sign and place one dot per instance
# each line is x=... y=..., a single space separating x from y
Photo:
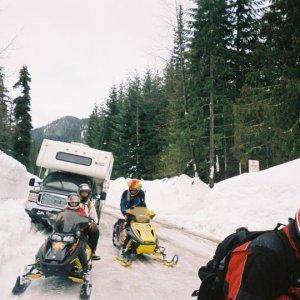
x=253 y=165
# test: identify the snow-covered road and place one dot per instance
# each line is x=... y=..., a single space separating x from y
x=145 y=279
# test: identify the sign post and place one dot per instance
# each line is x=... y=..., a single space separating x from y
x=253 y=165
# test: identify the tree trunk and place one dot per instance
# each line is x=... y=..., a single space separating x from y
x=184 y=90
x=212 y=115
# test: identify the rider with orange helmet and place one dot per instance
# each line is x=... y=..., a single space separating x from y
x=133 y=197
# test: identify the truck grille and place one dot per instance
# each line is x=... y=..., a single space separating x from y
x=53 y=200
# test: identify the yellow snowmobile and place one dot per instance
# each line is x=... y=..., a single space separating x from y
x=137 y=237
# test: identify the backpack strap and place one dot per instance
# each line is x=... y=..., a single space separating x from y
x=279 y=226
x=290 y=260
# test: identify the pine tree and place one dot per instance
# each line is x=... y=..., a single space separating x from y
x=22 y=138
x=5 y=128
x=111 y=112
x=152 y=122
x=175 y=156
x=95 y=130
x=267 y=115
x=178 y=151
x=211 y=86
x=244 y=26
x=127 y=150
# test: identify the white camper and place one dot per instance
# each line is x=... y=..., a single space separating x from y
x=67 y=165
x=76 y=158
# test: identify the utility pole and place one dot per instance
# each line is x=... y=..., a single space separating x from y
x=184 y=89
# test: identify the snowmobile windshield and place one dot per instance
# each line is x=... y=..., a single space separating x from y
x=141 y=214
x=69 y=222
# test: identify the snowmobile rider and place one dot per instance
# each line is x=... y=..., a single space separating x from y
x=84 y=192
x=133 y=197
x=268 y=267
x=73 y=203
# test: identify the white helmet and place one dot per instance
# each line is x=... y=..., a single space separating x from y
x=73 y=201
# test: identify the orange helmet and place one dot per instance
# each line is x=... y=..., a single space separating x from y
x=134 y=184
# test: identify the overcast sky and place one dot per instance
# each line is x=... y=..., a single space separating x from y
x=75 y=50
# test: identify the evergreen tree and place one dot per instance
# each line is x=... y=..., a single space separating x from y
x=212 y=86
x=244 y=26
x=267 y=115
x=111 y=116
x=178 y=150
x=175 y=156
x=127 y=150
x=229 y=94
x=5 y=128
x=152 y=123
x=95 y=130
x=21 y=138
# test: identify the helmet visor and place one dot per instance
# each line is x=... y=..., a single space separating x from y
x=73 y=204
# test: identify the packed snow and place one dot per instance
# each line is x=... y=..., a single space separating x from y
x=14 y=222
x=172 y=199
x=21 y=244
x=13 y=178
x=257 y=200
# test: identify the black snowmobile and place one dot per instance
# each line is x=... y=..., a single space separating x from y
x=59 y=255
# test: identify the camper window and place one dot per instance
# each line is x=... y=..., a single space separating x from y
x=75 y=159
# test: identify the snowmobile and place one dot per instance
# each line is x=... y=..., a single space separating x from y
x=59 y=255
x=138 y=237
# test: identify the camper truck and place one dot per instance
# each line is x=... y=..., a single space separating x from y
x=63 y=167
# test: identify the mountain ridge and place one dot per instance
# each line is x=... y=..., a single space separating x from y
x=65 y=129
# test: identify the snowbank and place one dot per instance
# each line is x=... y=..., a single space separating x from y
x=257 y=200
x=14 y=222
x=172 y=199
x=13 y=178
x=14 y=226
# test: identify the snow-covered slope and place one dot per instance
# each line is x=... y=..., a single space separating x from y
x=173 y=199
x=13 y=178
x=257 y=200
x=18 y=244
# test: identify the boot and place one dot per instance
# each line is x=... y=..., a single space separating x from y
x=95 y=257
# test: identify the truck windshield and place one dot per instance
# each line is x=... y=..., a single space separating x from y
x=66 y=181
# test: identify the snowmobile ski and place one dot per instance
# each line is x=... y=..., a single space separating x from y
x=85 y=291
x=160 y=255
x=125 y=262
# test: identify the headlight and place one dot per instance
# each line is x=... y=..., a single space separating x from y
x=56 y=238
x=69 y=239
x=33 y=197
x=57 y=246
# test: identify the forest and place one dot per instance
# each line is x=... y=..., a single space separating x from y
x=229 y=92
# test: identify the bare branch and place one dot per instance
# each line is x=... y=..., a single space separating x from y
x=11 y=42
